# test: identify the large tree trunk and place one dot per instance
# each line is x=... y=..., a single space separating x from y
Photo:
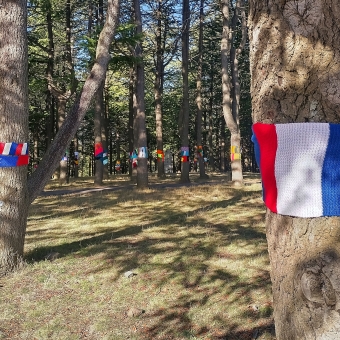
x=295 y=58
x=14 y=128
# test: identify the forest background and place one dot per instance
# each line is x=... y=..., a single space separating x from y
x=62 y=39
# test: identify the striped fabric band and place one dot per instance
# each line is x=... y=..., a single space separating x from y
x=300 y=167
x=9 y=161
x=14 y=149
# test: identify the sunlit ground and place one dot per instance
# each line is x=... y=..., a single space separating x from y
x=198 y=256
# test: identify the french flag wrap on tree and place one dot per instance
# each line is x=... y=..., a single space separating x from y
x=300 y=167
x=13 y=154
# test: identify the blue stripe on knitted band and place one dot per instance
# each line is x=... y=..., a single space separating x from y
x=258 y=157
x=10 y=161
x=256 y=149
x=13 y=148
x=330 y=178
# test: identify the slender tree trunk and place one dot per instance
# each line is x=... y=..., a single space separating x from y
x=142 y=168
x=158 y=89
x=230 y=87
x=105 y=130
x=98 y=118
x=50 y=124
x=222 y=142
x=99 y=112
x=211 y=120
x=63 y=95
x=14 y=128
x=295 y=58
x=62 y=173
x=199 y=96
x=132 y=144
x=184 y=119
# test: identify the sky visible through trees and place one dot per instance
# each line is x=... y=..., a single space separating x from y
x=49 y=64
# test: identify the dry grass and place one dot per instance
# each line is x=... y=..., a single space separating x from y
x=198 y=253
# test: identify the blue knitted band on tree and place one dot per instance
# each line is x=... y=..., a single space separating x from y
x=13 y=154
x=300 y=167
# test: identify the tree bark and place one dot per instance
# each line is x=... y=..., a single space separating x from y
x=131 y=127
x=184 y=116
x=63 y=165
x=230 y=87
x=14 y=200
x=99 y=111
x=295 y=58
x=158 y=90
x=199 y=96
x=97 y=129
x=142 y=168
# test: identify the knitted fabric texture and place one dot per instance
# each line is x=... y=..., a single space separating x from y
x=13 y=154
x=300 y=167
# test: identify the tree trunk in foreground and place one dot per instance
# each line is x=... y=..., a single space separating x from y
x=14 y=128
x=295 y=68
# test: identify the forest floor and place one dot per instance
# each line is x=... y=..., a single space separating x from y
x=169 y=262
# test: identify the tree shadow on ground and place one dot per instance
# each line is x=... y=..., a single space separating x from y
x=191 y=240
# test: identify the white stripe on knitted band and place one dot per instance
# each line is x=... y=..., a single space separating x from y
x=298 y=168
x=7 y=149
x=24 y=149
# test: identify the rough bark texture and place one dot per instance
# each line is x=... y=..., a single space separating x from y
x=14 y=128
x=295 y=68
x=230 y=86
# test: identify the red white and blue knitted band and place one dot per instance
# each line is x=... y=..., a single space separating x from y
x=300 y=167
x=13 y=154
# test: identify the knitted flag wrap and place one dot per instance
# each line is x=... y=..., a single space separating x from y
x=300 y=167
x=13 y=154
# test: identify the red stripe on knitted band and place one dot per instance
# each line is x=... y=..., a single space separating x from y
x=2 y=146
x=267 y=139
x=18 y=149
x=22 y=160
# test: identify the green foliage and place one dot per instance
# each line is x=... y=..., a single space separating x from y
x=43 y=106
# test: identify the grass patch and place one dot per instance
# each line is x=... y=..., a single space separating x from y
x=198 y=255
